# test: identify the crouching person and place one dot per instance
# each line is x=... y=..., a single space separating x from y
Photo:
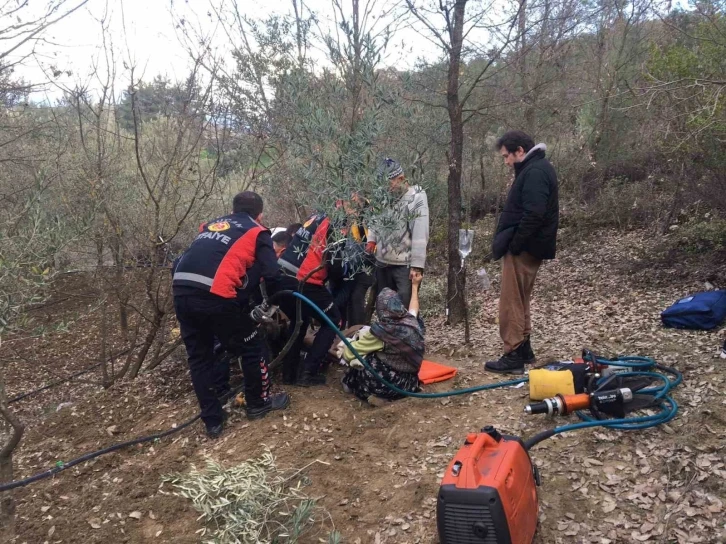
x=393 y=347
x=211 y=284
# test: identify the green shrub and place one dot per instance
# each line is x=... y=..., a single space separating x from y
x=620 y=204
x=700 y=235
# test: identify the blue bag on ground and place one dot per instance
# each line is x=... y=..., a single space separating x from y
x=700 y=311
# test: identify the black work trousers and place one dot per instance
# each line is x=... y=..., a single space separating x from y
x=396 y=277
x=342 y=291
x=357 y=301
x=322 y=298
x=204 y=316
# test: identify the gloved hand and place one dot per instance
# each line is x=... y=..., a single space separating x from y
x=263 y=313
x=355 y=363
x=339 y=350
x=371 y=248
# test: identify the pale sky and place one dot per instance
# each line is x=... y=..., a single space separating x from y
x=144 y=30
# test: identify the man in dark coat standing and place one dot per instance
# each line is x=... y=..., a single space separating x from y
x=526 y=235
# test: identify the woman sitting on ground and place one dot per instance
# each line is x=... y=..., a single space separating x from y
x=393 y=347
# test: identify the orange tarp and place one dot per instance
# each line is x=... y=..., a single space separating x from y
x=431 y=372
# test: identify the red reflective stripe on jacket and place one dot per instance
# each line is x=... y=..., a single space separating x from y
x=235 y=263
x=314 y=257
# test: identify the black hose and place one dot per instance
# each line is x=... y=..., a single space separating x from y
x=67 y=378
x=273 y=298
x=53 y=384
x=536 y=439
x=92 y=455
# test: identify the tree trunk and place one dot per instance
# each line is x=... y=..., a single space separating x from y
x=467 y=329
x=7 y=504
x=602 y=126
x=130 y=357
x=676 y=203
x=536 y=72
x=522 y=68
x=146 y=346
x=99 y=250
x=482 y=175
x=299 y=33
x=456 y=280
x=107 y=381
x=160 y=337
x=161 y=357
x=600 y=76
x=356 y=83
x=119 y=286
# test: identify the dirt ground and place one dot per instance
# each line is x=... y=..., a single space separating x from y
x=380 y=468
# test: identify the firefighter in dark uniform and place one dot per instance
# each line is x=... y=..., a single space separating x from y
x=307 y=258
x=212 y=283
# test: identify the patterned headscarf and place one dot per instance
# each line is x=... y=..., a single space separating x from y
x=398 y=328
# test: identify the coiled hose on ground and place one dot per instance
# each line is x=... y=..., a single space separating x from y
x=641 y=367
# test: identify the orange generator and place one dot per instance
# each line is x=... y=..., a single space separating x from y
x=489 y=492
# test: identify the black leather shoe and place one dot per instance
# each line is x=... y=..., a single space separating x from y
x=525 y=350
x=278 y=401
x=510 y=363
x=311 y=380
x=216 y=431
